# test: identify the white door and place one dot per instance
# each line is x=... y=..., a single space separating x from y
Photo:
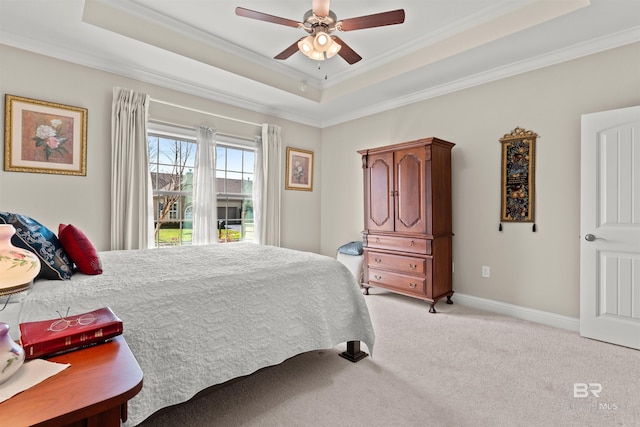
x=610 y=227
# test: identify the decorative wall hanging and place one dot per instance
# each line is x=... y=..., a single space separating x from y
x=44 y=137
x=299 y=169
x=517 y=201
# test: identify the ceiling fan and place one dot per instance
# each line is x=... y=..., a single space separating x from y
x=320 y=22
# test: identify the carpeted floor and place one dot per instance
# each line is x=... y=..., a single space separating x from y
x=459 y=367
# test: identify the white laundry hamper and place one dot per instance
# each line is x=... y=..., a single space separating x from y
x=350 y=254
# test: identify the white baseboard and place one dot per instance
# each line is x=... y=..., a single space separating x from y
x=520 y=312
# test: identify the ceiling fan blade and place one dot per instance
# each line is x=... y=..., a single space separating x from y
x=247 y=13
x=288 y=51
x=346 y=52
x=320 y=7
x=376 y=20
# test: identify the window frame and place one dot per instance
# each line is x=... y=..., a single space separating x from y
x=162 y=130
x=181 y=220
x=246 y=226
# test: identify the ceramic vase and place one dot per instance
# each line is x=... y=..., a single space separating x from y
x=11 y=354
x=18 y=266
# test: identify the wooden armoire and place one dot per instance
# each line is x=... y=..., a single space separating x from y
x=407 y=235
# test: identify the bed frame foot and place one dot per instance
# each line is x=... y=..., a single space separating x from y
x=353 y=353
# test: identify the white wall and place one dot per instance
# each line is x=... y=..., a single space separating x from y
x=537 y=270
x=85 y=201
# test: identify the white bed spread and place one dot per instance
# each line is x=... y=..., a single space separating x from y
x=196 y=316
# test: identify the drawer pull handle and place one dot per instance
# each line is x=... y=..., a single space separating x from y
x=413 y=285
x=378 y=277
x=412 y=243
x=378 y=260
x=413 y=266
x=377 y=240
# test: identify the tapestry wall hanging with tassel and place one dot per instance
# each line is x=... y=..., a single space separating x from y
x=517 y=201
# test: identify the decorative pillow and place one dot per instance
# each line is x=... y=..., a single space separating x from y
x=351 y=248
x=80 y=249
x=37 y=238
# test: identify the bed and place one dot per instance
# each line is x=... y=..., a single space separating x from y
x=198 y=316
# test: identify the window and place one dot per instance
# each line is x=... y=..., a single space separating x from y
x=234 y=182
x=171 y=164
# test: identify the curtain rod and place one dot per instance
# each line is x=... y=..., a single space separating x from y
x=193 y=128
x=171 y=104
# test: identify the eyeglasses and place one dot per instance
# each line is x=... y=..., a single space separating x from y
x=65 y=322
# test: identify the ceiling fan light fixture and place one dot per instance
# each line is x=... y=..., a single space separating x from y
x=310 y=47
x=316 y=55
x=322 y=41
x=319 y=46
x=333 y=49
x=306 y=45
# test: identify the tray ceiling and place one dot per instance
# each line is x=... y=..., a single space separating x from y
x=204 y=48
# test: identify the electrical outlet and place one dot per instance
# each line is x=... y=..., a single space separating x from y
x=486 y=271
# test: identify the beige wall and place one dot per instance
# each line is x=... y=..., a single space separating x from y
x=85 y=201
x=537 y=270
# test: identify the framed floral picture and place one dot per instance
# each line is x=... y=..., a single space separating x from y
x=44 y=137
x=299 y=169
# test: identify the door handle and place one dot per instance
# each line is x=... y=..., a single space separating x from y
x=590 y=237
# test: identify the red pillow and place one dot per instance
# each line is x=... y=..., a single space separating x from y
x=80 y=249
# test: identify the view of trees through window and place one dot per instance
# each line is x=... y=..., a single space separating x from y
x=171 y=164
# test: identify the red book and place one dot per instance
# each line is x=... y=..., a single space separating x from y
x=66 y=333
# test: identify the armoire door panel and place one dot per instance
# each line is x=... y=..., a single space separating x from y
x=410 y=183
x=380 y=203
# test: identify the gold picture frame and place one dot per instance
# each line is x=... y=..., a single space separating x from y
x=299 y=170
x=44 y=137
x=518 y=176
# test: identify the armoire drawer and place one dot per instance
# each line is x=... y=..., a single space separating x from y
x=415 y=245
x=400 y=263
x=401 y=282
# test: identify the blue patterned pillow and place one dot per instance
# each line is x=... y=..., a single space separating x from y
x=37 y=238
x=351 y=248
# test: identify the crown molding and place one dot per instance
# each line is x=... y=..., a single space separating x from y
x=156 y=77
x=152 y=76
x=559 y=56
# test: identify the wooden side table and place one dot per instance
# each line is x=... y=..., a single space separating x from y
x=93 y=391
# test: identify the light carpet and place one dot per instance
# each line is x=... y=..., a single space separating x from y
x=458 y=367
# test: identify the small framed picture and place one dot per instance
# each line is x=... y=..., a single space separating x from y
x=44 y=137
x=299 y=169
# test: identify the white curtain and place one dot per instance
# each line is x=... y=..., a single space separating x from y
x=205 y=218
x=267 y=186
x=131 y=191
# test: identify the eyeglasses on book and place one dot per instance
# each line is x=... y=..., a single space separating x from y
x=67 y=322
